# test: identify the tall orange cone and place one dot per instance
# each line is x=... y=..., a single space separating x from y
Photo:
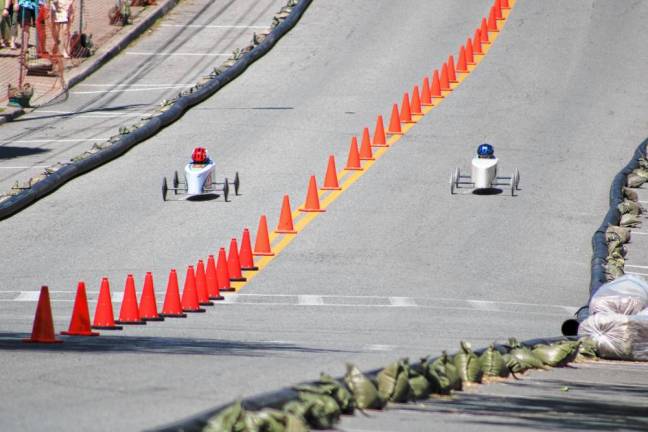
x=505 y=4
x=245 y=253
x=212 y=279
x=379 y=138
x=435 y=89
x=189 y=293
x=331 y=179
x=395 y=122
x=462 y=65
x=498 y=10
x=43 y=330
x=312 y=198
x=477 y=47
x=416 y=102
x=492 y=21
x=222 y=272
x=234 y=263
x=484 y=32
x=445 y=78
x=470 y=57
x=452 y=75
x=129 y=312
x=353 y=161
x=148 y=305
x=104 y=318
x=285 y=225
x=365 y=146
x=80 y=322
x=262 y=243
x=426 y=96
x=201 y=285
x=172 y=305
x=406 y=112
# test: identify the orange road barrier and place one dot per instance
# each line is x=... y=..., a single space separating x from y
x=129 y=312
x=262 y=243
x=190 y=294
x=43 y=329
x=353 y=161
x=379 y=138
x=212 y=280
x=201 y=285
x=234 y=263
x=406 y=112
x=80 y=321
x=312 y=198
x=445 y=78
x=104 y=318
x=148 y=304
x=172 y=307
x=285 y=225
x=416 y=102
x=498 y=10
x=484 y=31
x=245 y=253
x=331 y=179
x=470 y=56
x=436 y=86
x=365 y=146
x=492 y=21
x=395 y=122
x=477 y=45
x=426 y=95
x=452 y=75
x=462 y=64
x=222 y=272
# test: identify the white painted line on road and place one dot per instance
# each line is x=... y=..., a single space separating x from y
x=44 y=140
x=136 y=85
x=117 y=296
x=482 y=305
x=131 y=90
x=570 y=310
x=28 y=296
x=229 y=298
x=637 y=273
x=402 y=302
x=216 y=26
x=636 y=266
x=203 y=54
x=379 y=347
x=310 y=300
x=110 y=114
x=639 y=232
x=23 y=167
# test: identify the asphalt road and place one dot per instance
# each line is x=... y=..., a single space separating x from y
x=560 y=95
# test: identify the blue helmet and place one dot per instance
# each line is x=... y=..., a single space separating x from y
x=485 y=150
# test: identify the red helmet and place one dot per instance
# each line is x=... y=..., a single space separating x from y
x=199 y=155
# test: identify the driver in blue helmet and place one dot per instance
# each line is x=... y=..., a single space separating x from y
x=485 y=151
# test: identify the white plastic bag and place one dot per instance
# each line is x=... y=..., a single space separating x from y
x=626 y=295
x=618 y=336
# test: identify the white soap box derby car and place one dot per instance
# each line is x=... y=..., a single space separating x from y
x=198 y=180
x=484 y=174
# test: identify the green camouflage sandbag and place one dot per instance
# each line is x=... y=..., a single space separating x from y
x=365 y=394
x=467 y=364
x=269 y=420
x=513 y=364
x=419 y=385
x=231 y=419
x=393 y=382
x=330 y=386
x=630 y=220
x=443 y=375
x=621 y=232
x=587 y=349
x=641 y=172
x=318 y=410
x=634 y=180
x=492 y=363
x=557 y=354
x=629 y=207
x=630 y=194
x=524 y=356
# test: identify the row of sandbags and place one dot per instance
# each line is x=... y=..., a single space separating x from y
x=319 y=405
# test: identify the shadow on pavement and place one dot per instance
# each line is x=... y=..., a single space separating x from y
x=10 y=152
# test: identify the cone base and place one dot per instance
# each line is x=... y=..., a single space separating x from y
x=238 y=279
x=229 y=289
x=130 y=322
x=307 y=210
x=220 y=297
x=255 y=268
x=207 y=303
x=325 y=188
x=173 y=315
x=394 y=133
x=371 y=158
x=115 y=327
x=199 y=310
x=409 y=121
x=262 y=254
x=462 y=70
x=54 y=341
x=280 y=232
x=380 y=145
x=88 y=333
x=438 y=97
x=353 y=168
x=426 y=104
x=157 y=318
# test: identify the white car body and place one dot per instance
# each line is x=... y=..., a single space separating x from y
x=198 y=175
x=483 y=178
x=484 y=172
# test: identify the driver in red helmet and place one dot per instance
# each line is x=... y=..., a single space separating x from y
x=199 y=156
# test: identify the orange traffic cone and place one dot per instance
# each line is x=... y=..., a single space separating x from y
x=353 y=161
x=452 y=75
x=312 y=198
x=222 y=272
x=484 y=32
x=43 y=330
x=201 y=285
x=189 y=293
x=445 y=78
x=379 y=138
x=285 y=219
x=172 y=305
x=462 y=65
x=492 y=21
x=505 y=4
x=148 y=305
x=426 y=96
x=406 y=112
x=395 y=122
x=129 y=312
x=416 y=102
x=212 y=279
x=436 y=86
x=331 y=179
x=498 y=10
x=104 y=318
x=470 y=57
x=477 y=48
x=234 y=263
x=80 y=322
x=245 y=254
x=365 y=146
x=262 y=243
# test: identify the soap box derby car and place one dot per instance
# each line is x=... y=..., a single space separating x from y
x=484 y=174
x=198 y=180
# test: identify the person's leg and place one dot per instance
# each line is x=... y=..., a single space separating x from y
x=41 y=34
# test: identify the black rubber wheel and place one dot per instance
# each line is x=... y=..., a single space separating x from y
x=237 y=183
x=165 y=189
x=226 y=190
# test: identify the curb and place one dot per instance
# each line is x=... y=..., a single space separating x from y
x=10 y=113
x=599 y=245
x=152 y=126
x=277 y=399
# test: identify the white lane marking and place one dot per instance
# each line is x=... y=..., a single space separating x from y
x=379 y=347
x=28 y=296
x=570 y=310
x=34 y=141
x=310 y=300
x=131 y=90
x=24 y=167
x=639 y=232
x=483 y=305
x=636 y=266
x=136 y=85
x=402 y=301
x=636 y=273
x=215 y=26
x=117 y=296
x=229 y=298
x=162 y=53
x=110 y=114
